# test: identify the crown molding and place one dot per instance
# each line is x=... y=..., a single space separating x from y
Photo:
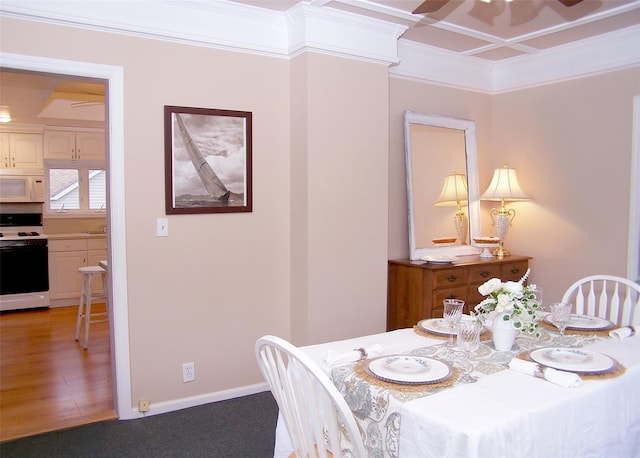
x=432 y=65
x=609 y=52
x=342 y=33
x=311 y=27
x=225 y=25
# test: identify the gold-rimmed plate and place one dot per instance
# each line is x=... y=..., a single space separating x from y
x=573 y=359
x=584 y=323
x=409 y=369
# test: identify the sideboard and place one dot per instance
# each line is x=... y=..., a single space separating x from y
x=416 y=289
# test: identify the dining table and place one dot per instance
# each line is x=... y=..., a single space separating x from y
x=505 y=413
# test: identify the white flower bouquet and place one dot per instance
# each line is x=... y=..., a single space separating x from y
x=512 y=301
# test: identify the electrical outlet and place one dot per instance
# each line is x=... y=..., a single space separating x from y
x=143 y=405
x=188 y=372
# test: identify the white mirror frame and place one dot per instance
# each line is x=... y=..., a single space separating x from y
x=471 y=154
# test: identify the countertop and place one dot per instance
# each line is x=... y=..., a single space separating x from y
x=77 y=235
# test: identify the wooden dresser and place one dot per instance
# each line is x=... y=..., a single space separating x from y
x=416 y=289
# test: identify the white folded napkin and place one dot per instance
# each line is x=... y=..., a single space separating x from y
x=562 y=378
x=622 y=333
x=335 y=357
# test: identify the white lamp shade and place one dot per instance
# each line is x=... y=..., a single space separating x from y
x=454 y=191
x=5 y=113
x=504 y=185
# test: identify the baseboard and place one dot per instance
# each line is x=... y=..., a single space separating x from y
x=156 y=408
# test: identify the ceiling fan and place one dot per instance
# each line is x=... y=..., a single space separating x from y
x=431 y=6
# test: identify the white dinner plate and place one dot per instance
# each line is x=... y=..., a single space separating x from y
x=572 y=359
x=439 y=259
x=584 y=322
x=439 y=326
x=409 y=369
x=436 y=326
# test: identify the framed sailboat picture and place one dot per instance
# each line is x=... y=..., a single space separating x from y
x=207 y=160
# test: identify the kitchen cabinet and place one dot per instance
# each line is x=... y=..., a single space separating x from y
x=74 y=145
x=65 y=258
x=416 y=289
x=20 y=150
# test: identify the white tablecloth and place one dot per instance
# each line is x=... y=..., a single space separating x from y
x=509 y=414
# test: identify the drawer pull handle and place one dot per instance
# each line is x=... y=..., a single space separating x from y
x=452 y=278
x=515 y=270
x=485 y=274
x=451 y=296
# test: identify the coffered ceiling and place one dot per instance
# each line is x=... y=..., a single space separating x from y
x=493 y=30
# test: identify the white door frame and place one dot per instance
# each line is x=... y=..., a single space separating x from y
x=116 y=212
x=633 y=251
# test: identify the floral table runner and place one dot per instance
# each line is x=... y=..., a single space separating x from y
x=376 y=404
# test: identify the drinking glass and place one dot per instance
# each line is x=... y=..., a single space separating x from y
x=561 y=315
x=468 y=340
x=452 y=315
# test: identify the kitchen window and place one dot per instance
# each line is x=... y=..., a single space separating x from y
x=77 y=191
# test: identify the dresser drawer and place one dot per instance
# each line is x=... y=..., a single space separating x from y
x=514 y=271
x=446 y=293
x=450 y=277
x=480 y=274
x=473 y=297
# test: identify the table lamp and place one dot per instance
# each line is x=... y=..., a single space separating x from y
x=504 y=187
x=454 y=192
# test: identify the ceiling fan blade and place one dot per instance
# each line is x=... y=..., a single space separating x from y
x=569 y=2
x=431 y=6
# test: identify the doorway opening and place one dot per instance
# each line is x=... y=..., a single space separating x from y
x=114 y=130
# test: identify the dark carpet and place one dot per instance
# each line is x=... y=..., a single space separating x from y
x=242 y=427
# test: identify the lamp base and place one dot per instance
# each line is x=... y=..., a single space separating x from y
x=501 y=252
x=462 y=227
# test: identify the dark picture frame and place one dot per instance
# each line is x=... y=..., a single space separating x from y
x=207 y=160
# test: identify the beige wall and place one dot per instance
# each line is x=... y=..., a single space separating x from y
x=571 y=144
x=339 y=198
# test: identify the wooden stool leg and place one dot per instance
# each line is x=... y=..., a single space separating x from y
x=104 y=288
x=81 y=313
x=87 y=315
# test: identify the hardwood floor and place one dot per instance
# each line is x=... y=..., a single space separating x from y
x=47 y=381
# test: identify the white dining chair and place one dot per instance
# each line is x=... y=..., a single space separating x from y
x=614 y=298
x=314 y=412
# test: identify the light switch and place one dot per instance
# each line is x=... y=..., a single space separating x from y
x=163 y=227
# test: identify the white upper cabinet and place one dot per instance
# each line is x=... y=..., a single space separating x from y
x=20 y=150
x=74 y=145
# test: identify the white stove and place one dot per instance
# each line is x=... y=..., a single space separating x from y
x=24 y=261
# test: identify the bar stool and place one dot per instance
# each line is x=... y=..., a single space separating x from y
x=86 y=298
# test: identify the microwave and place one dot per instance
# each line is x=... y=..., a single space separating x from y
x=21 y=188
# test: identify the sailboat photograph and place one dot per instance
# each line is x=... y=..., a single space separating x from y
x=208 y=160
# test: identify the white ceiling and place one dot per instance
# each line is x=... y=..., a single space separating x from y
x=492 y=31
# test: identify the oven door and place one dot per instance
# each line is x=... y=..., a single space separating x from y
x=24 y=268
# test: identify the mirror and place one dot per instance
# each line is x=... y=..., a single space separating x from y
x=435 y=147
